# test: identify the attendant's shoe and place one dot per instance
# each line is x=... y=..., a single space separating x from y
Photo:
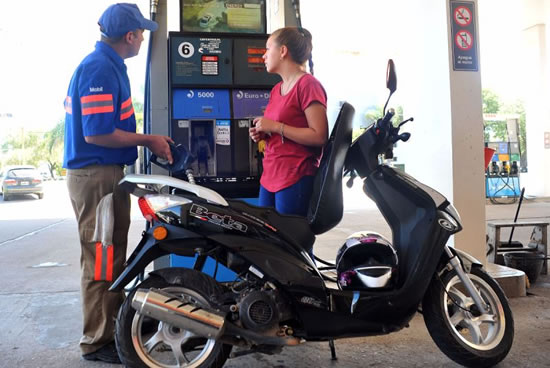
x=107 y=354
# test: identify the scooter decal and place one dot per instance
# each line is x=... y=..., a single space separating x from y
x=259 y=221
x=224 y=221
x=311 y=301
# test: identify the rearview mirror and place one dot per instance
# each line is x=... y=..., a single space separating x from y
x=391 y=79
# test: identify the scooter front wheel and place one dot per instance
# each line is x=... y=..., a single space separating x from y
x=468 y=337
x=145 y=342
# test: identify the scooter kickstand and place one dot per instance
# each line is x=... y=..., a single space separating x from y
x=332 y=350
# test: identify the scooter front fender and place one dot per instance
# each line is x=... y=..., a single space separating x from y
x=467 y=260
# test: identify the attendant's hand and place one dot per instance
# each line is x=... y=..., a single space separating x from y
x=159 y=146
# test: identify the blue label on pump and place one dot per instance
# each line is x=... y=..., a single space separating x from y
x=200 y=103
x=249 y=103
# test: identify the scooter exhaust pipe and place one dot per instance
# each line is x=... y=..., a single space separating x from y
x=168 y=308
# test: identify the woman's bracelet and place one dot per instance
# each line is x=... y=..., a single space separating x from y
x=282 y=132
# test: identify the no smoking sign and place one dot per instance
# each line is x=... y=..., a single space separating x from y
x=462 y=16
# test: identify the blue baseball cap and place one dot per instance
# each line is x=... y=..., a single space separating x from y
x=122 y=18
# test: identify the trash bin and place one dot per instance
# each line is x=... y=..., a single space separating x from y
x=528 y=262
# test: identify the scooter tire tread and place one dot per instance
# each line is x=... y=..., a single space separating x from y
x=191 y=279
x=445 y=339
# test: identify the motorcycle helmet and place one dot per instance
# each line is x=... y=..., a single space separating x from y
x=366 y=261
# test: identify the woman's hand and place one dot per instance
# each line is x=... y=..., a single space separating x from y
x=263 y=124
x=255 y=135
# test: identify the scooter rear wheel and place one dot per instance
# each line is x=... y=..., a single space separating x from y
x=146 y=342
x=466 y=337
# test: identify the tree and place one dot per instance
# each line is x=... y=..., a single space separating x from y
x=517 y=107
x=493 y=130
x=374 y=113
x=138 y=111
x=498 y=130
x=51 y=147
x=491 y=102
x=20 y=149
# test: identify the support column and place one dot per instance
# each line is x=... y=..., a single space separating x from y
x=467 y=144
x=160 y=116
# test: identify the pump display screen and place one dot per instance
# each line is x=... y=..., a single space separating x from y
x=249 y=63
x=227 y=16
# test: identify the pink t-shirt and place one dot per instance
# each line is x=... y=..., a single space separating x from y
x=286 y=163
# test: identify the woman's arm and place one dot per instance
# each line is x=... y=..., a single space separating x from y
x=316 y=134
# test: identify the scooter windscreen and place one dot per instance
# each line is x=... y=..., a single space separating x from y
x=182 y=160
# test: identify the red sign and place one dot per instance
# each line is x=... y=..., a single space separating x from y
x=464 y=40
x=462 y=16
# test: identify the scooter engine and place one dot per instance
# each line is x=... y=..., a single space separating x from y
x=260 y=310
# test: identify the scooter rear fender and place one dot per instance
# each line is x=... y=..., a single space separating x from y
x=145 y=252
x=179 y=241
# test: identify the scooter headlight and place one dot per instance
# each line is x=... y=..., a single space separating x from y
x=451 y=210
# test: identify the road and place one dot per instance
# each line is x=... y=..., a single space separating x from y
x=40 y=305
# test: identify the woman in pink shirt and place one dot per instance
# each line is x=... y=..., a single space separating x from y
x=294 y=124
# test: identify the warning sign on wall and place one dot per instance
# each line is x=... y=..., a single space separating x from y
x=464 y=36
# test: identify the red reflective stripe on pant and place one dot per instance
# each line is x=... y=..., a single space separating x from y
x=109 y=270
x=98 y=260
x=104 y=257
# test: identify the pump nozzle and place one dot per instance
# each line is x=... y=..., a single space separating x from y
x=154 y=5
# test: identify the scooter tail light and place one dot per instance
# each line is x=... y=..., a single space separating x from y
x=146 y=210
x=10 y=182
x=151 y=204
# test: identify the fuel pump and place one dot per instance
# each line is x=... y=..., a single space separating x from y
x=217 y=85
x=502 y=181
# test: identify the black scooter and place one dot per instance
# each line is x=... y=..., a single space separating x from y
x=181 y=317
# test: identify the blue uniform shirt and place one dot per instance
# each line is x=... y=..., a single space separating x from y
x=98 y=101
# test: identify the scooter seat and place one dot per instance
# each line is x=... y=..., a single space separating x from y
x=293 y=229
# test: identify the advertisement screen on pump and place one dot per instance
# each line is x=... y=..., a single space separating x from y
x=234 y=16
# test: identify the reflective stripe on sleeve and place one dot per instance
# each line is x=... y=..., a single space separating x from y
x=126 y=109
x=97 y=104
x=68 y=105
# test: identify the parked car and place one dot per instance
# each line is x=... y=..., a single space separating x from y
x=20 y=180
x=45 y=175
x=205 y=20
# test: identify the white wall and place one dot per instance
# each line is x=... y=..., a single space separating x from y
x=536 y=43
x=425 y=85
x=446 y=147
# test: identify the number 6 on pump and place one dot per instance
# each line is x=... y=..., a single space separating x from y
x=186 y=49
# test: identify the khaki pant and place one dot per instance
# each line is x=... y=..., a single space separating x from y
x=99 y=306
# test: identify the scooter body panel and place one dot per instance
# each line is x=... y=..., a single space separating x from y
x=419 y=239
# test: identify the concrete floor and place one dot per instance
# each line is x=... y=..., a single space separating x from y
x=40 y=319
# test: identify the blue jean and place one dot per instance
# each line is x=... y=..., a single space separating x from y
x=293 y=200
